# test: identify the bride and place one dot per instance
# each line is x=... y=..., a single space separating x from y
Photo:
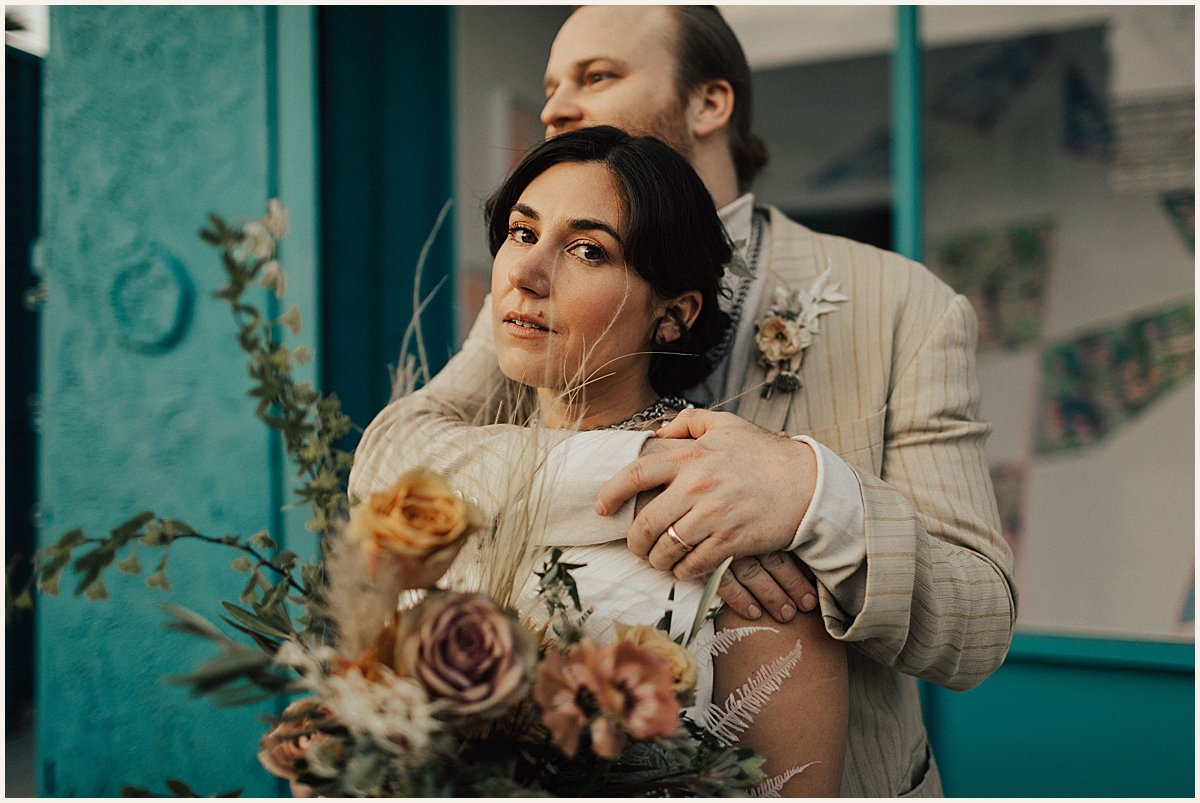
x=608 y=261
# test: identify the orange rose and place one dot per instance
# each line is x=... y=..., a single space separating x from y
x=681 y=661
x=414 y=529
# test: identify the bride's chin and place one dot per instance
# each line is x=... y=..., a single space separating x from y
x=521 y=371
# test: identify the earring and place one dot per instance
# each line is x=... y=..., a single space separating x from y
x=670 y=328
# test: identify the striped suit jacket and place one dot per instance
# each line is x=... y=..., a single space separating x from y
x=889 y=386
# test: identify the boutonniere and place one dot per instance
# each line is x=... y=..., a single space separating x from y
x=788 y=328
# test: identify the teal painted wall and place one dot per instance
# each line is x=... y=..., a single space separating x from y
x=1071 y=717
x=153 y=118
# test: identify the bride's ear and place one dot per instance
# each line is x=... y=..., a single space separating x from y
x=676 y=316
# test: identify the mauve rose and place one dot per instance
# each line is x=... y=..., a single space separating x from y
x=779 y=339
x=617 y=691
x=413 y=529
x=286 y=747
x=472 y=657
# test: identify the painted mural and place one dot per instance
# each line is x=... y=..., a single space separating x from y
x=1092 y=384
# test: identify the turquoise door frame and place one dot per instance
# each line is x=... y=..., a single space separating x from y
x=387 y=151
x=1063 y=716
x=907 y=203
x=154 y=117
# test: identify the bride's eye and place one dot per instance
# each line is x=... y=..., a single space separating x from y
x=521 y=234
x=588 y=252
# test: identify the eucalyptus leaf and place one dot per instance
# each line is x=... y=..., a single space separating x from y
x=235 y=663
x=180 y=788
x=710 y=591
x=173 y=527
x=135 y=791
x=159 y=580
x=154 y=534
x=248 y=596
x=188 y=621
x=133 y=525
x=71 y=539
x=255 y=622
x=48 y=582
x=664 y=624
x=131 y=564
x=262 y=540
x=24 y=600
x=267 y=645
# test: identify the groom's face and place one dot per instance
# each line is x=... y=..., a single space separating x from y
x=615 y=65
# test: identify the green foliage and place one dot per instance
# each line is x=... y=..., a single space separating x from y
x=560 y=594
x=178 y=789
x=308 y=423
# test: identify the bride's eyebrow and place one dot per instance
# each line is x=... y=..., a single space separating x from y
x=587 y=224
x=574 y=224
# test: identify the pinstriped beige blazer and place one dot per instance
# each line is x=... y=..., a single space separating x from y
x=889 y=386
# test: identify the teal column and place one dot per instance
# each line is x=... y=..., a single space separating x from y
x=155 y=116
x=907 y=212
x=387 y=162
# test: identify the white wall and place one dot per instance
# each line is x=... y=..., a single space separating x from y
x=1108 y=543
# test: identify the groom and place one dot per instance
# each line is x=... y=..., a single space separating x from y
x=883 y=491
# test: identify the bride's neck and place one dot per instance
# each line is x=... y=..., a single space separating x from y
x=593 y=407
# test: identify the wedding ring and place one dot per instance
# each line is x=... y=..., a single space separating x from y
x=675 y=537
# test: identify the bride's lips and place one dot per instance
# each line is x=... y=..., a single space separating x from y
x=525 y=326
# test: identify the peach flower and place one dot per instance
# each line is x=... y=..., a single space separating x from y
x=681 y=660
x=285 y=749
x=617 y=691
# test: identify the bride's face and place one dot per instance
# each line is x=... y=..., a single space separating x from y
x=565 y=306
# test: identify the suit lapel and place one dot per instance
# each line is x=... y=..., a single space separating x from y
x=791 y=263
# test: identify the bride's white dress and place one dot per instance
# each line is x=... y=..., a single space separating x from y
x=618 y=586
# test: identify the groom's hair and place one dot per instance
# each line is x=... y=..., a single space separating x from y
x=673 y=239
x=706 y=49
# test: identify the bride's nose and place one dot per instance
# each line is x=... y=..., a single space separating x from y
x=530 y=274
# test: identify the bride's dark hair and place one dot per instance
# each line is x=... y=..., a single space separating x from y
x=674 y=239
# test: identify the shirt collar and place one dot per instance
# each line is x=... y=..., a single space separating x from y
x=738 y=217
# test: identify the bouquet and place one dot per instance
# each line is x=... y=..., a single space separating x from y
x=402 y=687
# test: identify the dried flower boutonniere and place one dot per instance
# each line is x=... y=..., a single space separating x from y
x=787 y=330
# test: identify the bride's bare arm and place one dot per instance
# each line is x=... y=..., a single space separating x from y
x=805 y=720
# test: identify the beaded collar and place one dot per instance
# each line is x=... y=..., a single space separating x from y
x=655 y=412
x=718 y=352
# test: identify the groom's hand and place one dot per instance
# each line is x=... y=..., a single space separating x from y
x=728 y=488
